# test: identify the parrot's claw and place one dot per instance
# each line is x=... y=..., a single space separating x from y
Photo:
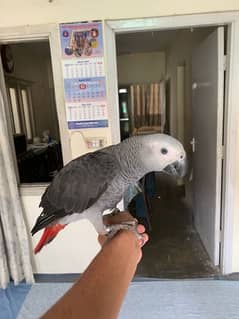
x=118 y=220
x=115 y=211
x=129 y=225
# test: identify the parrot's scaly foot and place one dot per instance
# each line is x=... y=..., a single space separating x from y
x=118 y=220
x=130 y=225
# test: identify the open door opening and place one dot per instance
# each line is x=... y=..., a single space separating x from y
x=172 y=82
x=32 y=116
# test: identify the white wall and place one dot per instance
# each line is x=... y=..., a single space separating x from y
x=141 y=67
x=78 y=139
x=235 y=250
x=14 y=12
x=29 y=12
x=71 y=251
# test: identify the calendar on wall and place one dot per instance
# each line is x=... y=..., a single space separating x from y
x=83 y=68
x=84 y=75
x=85 y=89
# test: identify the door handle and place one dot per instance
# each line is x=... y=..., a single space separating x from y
x=199 y=85
x=193 y=143
x=194 y=86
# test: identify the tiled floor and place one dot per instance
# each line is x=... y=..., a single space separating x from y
x=181 y=299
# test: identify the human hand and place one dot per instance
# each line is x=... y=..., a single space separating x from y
x=112 y=219
x=140 y=229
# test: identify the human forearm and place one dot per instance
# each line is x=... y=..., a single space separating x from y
x=100 y=290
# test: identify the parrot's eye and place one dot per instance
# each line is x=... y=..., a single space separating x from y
x=164 y=151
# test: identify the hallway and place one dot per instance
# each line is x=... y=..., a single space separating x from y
x=175 y=249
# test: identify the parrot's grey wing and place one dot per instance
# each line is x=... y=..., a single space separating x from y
x=77 y=186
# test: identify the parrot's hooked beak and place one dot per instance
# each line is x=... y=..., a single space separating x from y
x=178 y=168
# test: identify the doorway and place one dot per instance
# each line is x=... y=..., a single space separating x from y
x=156 y=68
x=32 y=110
x=115 y=28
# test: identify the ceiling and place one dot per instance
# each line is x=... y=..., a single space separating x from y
x=149 y=41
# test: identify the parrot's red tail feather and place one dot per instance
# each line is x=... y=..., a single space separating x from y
x=48 y=235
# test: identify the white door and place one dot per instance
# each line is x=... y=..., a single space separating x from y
x=207 y=118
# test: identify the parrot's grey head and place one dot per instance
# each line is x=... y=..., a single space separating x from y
x=161 y=152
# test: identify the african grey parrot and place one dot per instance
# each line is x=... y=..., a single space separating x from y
x=97 y=181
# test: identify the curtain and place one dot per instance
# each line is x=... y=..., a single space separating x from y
x=14 y=248
x=148 y=105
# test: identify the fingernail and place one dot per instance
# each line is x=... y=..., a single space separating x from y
x=142 y=241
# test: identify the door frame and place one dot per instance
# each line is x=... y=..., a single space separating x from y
x=229 y=205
